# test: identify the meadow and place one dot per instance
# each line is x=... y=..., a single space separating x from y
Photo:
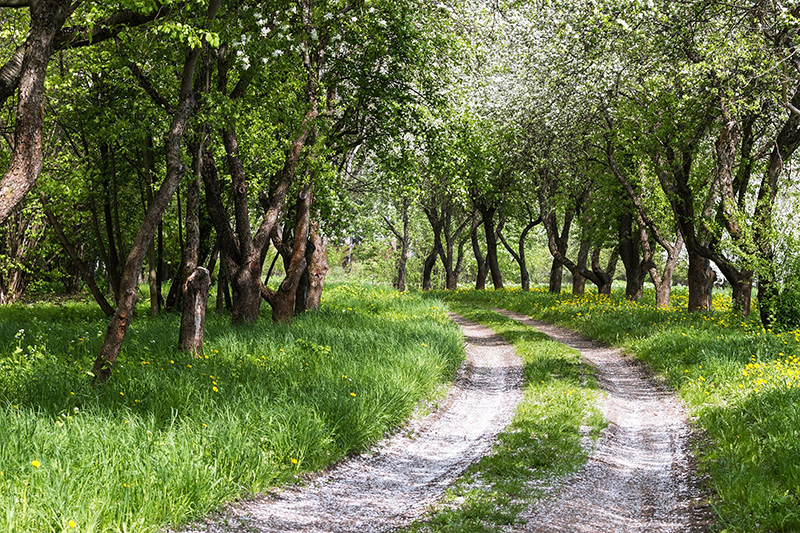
x=171 y=437
x=740 y=382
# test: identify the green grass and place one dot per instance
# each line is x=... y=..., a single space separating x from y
x=740 y=382
x=172 y=437
x=542 y=443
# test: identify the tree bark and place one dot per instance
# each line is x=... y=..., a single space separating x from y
x=427 y=269
x=629 y=251
x=193 y=315
x=46 y=18
x=282 y=301
x=196 y=279
x=487 y=213
x=152 y=278
x=317 y=267
x=701 y=282
x=578 y=280
x=561 y=243
x=483 y=266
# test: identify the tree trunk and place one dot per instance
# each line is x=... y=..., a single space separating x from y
x=193 y=316
x=152 y=278
x=491 y=245
x=126 y=303
x=223 y=293
x=402 y=261
x=556 y=277
x=403 y=239
x=701 y=282
x=629 y=251
x=483 y=266
x=427 y=269
x=46 y=18
x=578 y=280
x=317 y=267
x=561 y=243
x=282 y=301
x=196 y=279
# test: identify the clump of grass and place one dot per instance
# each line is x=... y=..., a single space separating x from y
x=544 y=441
x=740 y=382
x=172 y=437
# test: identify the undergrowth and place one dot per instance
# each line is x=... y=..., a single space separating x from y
x=544 y=441
x=740 y=382
x=171 y=437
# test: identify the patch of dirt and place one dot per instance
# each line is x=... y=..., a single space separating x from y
x=640 y=476
x=398 y=480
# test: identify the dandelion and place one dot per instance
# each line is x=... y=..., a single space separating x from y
x=215 y=389
x=36 y=464
x=294 y=461
x=71 y=523
x=353 y=394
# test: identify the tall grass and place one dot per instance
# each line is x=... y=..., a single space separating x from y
x=171 y=437
x=740 y=382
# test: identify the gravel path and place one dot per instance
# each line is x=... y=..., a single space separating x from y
x=398 y=480
x=640 y=476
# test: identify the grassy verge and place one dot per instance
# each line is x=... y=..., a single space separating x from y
x=542 y=443
x=171 y=437
x=740 y=382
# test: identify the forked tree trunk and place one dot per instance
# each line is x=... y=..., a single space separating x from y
x=629 y=251
x=561 y=243
x=578 y=280
x=282 y=300
x=487 y=214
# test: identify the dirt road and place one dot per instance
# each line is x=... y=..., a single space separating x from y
x=640 y=476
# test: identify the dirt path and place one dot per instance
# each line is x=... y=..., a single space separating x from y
x=640 y=476
x=396 y=482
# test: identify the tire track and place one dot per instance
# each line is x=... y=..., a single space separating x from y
x=641 y=476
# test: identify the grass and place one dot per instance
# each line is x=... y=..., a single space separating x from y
x=171 y=437
x=542 y=443
x=740 y=382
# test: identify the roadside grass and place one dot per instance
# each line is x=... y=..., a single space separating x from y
x=740 y=382
x=172 y=437
x=543 y=443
